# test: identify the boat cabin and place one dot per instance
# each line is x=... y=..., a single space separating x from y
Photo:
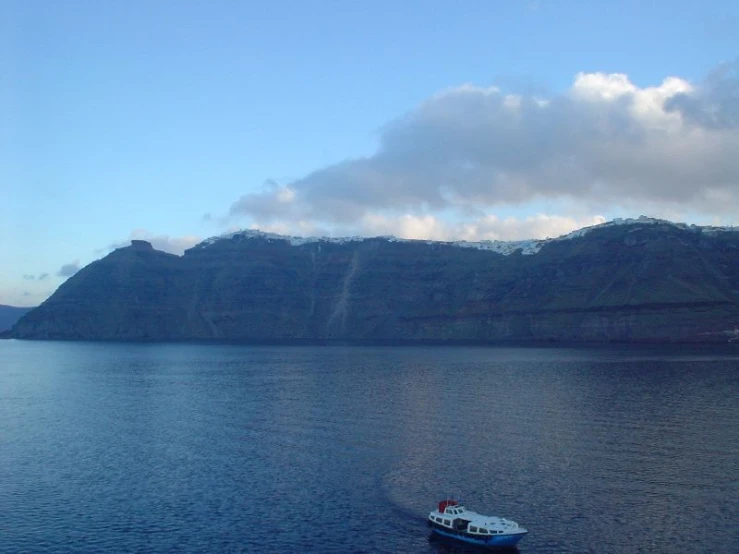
x=454 y=520
x=455 y=517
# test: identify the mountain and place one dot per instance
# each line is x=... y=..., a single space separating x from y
x=9 y=315
x=637 y=280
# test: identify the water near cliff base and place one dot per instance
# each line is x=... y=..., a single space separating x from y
x=191 y=448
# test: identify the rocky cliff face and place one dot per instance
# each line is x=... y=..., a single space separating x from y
x=645 y=280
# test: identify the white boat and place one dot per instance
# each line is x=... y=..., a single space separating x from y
x=451 y=519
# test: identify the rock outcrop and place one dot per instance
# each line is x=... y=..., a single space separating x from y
x=643 y=281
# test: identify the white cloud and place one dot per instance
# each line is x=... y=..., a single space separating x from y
x=285 y=195
x=602 y=86
x=487 y=227
x=406 y=226
x=467 y=152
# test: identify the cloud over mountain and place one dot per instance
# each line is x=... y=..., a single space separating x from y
x=470 y=150
x=67 y=270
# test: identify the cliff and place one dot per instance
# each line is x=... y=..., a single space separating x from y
x=639 y=281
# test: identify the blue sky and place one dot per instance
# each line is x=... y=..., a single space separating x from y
x=175 y=121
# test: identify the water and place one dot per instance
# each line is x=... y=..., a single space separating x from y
x=191 y=448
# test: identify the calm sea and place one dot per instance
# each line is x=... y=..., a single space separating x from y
x=110 y=448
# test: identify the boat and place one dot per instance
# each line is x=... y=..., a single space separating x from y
x=453 y=520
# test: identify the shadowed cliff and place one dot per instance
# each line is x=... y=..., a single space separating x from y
x=645 y=281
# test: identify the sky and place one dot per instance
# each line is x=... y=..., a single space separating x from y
x=174 y=121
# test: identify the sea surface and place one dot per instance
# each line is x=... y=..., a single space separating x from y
x=112 y=448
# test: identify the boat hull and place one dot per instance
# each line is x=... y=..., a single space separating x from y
x=496 y=541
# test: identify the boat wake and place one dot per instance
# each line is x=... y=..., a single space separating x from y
x=403 y=502
x=412 y=493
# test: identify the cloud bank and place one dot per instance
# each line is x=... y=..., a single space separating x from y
x=445 y=168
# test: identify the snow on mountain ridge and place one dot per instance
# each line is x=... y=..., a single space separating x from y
x=526 y=247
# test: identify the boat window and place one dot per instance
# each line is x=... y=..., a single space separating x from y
x=473 y=529
x=483 y=531
x=447 y=522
